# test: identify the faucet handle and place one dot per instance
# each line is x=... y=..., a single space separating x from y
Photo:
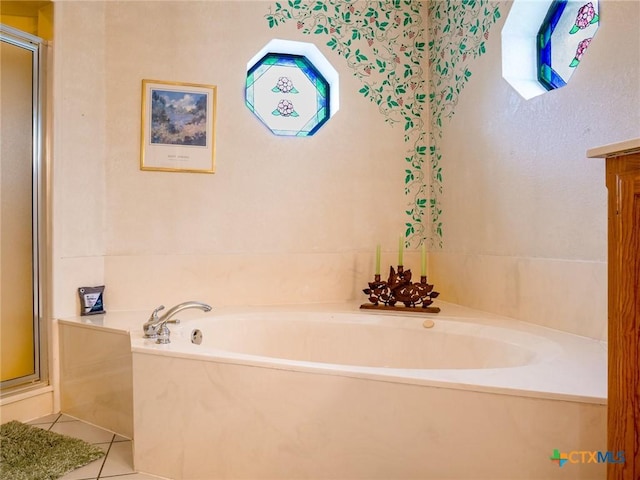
x=164 y=334
x=154 y=314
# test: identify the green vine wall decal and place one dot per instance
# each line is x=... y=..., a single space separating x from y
x=458 y=32
x=383 y=43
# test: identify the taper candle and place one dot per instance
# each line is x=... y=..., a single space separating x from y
x=424 y=261
x=400 y=251
x=378 y=259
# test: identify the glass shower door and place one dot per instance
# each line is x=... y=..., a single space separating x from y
x=20 y=209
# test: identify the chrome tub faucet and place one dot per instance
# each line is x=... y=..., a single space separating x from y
x=156 y=326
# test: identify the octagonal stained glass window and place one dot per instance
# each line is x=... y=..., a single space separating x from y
x=291 y=88
x=543 y=42
x=563 y=38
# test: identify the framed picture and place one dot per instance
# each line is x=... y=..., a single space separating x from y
x=178 y=127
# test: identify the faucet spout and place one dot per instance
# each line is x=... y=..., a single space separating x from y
x=155 y=322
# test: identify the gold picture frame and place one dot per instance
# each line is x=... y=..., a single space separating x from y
x=178 y=127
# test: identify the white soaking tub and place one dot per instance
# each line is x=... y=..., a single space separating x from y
x=324 y=392
x=361 y=340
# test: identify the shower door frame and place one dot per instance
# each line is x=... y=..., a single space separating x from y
x=40 y=377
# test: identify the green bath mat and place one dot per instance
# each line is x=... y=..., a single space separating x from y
x=31 y=453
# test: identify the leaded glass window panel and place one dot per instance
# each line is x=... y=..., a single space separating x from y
x=563 y=38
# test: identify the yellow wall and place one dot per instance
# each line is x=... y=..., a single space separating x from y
x=25 y=24
x=34 y=17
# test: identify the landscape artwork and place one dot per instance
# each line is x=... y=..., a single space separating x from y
x=178 y=118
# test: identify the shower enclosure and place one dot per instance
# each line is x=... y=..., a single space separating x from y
x=22 y=222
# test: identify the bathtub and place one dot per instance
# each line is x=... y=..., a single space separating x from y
x=291 y=393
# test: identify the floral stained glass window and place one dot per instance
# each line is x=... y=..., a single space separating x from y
x=288 y=94
x=563 y=38
x=291 y=88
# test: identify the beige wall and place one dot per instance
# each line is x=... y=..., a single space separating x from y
x=296 y=220
x=79 y=144
x=524 y=210
x=283 y=220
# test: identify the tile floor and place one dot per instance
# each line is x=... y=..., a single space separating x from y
x=117 y=464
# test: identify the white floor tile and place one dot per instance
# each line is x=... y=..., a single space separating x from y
x=43 y=426
x=83 y=431
x=118 y=464
x=67 y=418
x=135 y=476
x=46 y=419
x=119 y=461
x=88 y=472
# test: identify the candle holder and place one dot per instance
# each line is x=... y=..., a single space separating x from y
x=400 y=293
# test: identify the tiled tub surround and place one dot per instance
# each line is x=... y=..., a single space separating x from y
x=245 y=415
x=96 y=377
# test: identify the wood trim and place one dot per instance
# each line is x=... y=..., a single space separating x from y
x=623 y=413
